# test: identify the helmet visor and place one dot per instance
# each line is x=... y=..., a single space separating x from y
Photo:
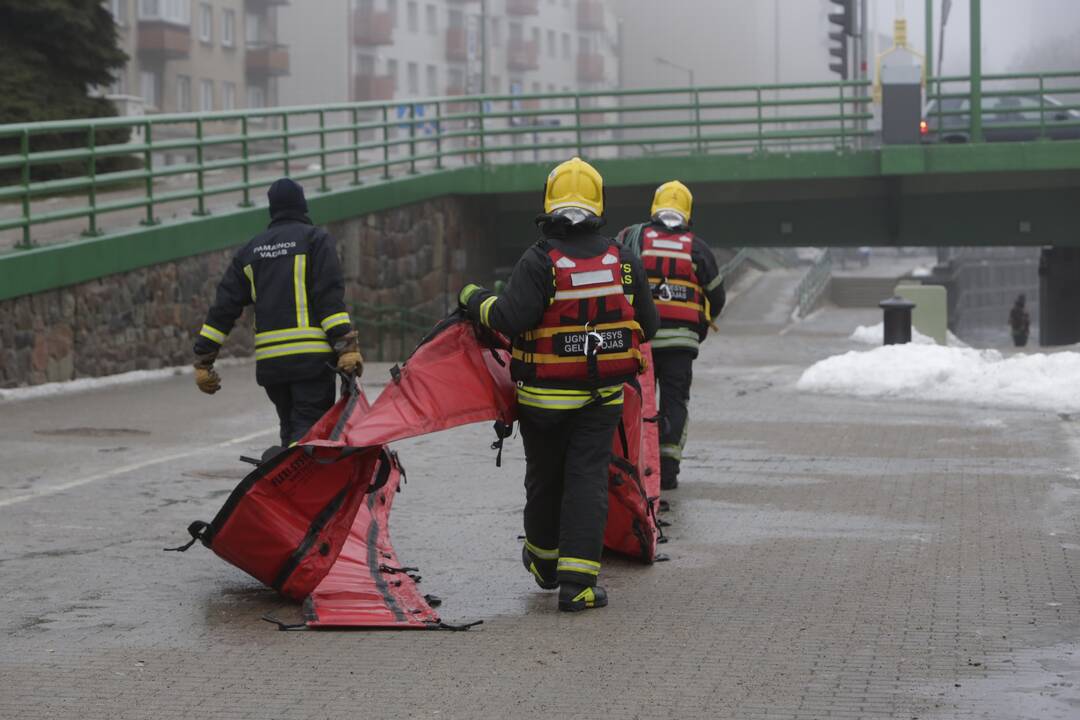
x=575 y=215
x=671 y=218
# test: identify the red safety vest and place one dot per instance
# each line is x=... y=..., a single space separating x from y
x=669 y=263
x=588 y=335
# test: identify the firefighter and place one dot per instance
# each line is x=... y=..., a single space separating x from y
x=689 y=293
x=578 y=308
x=291 y=274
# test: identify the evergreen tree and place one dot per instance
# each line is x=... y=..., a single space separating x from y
x=51 y=53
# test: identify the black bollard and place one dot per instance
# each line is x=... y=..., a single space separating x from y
x=897 y=320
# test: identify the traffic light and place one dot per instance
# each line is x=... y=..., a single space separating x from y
x=842 y=26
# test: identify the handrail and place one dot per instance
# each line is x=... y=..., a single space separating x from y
x=390 y=331
x=130 y=170
x=813 y=285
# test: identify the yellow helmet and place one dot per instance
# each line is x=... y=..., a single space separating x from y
x=673 y=196
x=574 y=183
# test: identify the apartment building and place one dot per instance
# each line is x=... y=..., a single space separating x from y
x=199 y=55
x=360 y=50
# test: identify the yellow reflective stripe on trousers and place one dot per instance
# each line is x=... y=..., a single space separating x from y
x=212 y=333
x=341 y=318
x=250 y=272
x=675 y=337
x=558 y=399
x=541 y=553
x=485 y=310
x=299 y=348
x=300 y=289
x=274 y=336
x=578 y=565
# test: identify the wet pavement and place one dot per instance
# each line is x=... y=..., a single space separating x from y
x=830 y=557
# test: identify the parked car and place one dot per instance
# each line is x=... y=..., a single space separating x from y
x=1000 y=116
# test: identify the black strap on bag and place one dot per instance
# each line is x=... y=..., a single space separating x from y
x=197 y=530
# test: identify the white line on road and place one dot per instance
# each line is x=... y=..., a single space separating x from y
x=53 y=489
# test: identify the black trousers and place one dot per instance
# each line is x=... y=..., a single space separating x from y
x=567 y=454
x=674 y=374
x=300 y=404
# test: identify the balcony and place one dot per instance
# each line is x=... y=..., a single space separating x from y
x=590 y=15
x=267 y=60
x=373 y=87
x=372 y=27
x=523 y=55
x=164 y=40
x=590 y=68
x=522 y=7
x=261 y=5
x=457 y=44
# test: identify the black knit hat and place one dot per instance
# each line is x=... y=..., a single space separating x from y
x=286 y=195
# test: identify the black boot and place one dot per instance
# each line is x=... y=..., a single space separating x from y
x=543 y=571
x=669 y=473
x=575 y=598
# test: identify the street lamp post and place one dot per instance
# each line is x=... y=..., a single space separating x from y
x=693 y=90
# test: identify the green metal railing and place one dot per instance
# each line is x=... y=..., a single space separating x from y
x=195 y=164
x=1020 y=105
x=390 y=332
x=813 y=285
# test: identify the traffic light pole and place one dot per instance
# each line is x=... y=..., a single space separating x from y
x=976 y=71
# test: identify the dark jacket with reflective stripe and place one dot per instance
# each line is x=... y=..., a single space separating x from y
x=530 y=289
x=291 y=273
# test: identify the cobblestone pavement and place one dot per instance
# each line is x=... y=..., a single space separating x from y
x=829 y=558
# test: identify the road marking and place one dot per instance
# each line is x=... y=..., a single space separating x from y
x=53 y=489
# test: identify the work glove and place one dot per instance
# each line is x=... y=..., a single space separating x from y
x=206 y=378
x=349 y=360
x=466 y=293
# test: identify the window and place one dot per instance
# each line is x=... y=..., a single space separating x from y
x=256 y=96
x=456 y=82
x=551 y=43
x=365 y=65
x=252 y=29
x=516 y=34
x=457 y=19
x=496 y=32
x=391 y=6
x=118 y=8
x=432 y=80
x=149 y=88
x=183 y=93
x=432 y=19
x=206 y=23
x=173 y=11
x=228 y=96
x=536 y=38
x=119 y=83
x=414 y=78
x=391 y=70
x=496 y=84
x=566 y=46
x=412 y=16
x=228 y=28
x=206 y=95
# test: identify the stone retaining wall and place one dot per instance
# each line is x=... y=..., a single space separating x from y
x=415 y=257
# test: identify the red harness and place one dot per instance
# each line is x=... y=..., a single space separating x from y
x=669 y=262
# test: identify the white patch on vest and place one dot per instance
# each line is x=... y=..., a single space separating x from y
x=565 y=262
x=610 y=260
x=668 y=244
x=651 y=233
x=591 y=278
x=686 y=238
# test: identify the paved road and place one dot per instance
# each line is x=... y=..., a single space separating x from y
x=830 y=558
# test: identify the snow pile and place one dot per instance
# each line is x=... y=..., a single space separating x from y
x=875 y=335
x=951 y=374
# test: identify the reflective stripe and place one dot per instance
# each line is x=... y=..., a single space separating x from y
x=341 y=318
x=588 y=293
x=531 y=358
x=558 y=399
x=678 y=303
x=653 y=282
x=300 y=288
x=671 y=451
x=300 y=348
x=553 y=331
x=715 y=283
x=675 y=337
x=578 y=565
x=250 y=272
x=667 y=254
x=541 y=553
x=485 y=310
x=274 y=336
x=211 y=333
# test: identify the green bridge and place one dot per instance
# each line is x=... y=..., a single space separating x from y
x=770 y=166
